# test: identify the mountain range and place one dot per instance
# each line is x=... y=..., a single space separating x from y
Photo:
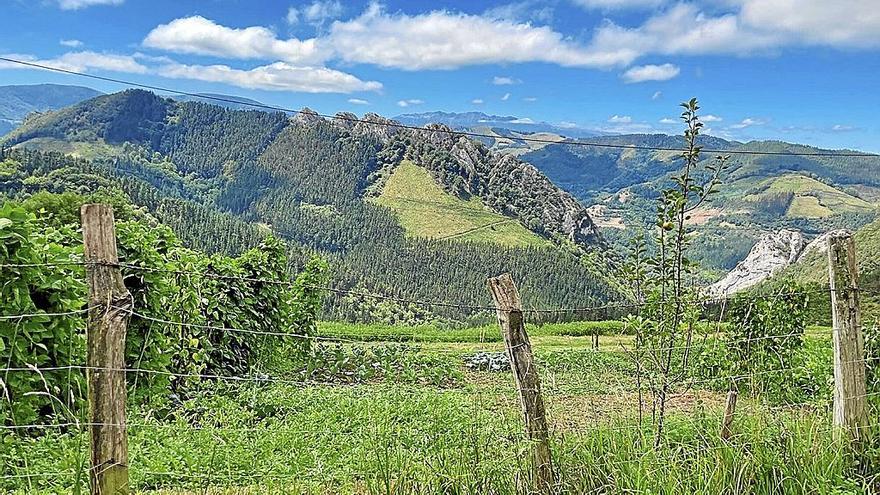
x=16 y=102
x=397 y=212
x=439 y=186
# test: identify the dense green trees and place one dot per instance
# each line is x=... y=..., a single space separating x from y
x=223 y=178
x=193 y=313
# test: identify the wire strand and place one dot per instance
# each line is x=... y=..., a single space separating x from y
x=393 y=124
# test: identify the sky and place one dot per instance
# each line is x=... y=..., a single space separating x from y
x=795 y=70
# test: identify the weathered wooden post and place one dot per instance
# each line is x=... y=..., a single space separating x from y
x=729 y=411
x=510 y=317
x=109 y=305
x=850 y=402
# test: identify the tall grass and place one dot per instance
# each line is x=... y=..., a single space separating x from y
x=413 y=440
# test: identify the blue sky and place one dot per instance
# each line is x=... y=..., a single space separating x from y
x=795 y=70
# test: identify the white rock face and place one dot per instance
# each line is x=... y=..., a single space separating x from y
x=773 y=252
x=819 y=244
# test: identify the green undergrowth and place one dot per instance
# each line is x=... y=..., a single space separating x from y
x=279 y=438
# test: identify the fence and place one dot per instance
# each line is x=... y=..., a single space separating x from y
x=110 y=306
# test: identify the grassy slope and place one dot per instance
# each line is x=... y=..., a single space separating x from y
x=425 y=210
x=813 y=199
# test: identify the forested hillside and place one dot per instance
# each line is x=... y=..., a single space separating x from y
x=224 y=178
x=759 y=193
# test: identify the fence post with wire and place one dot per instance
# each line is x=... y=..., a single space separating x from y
x=109 y=308
x=850 y=401
x=525 y=373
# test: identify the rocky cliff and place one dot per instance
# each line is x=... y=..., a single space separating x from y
x=773 y=252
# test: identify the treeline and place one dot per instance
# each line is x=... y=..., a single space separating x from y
x=223 y=179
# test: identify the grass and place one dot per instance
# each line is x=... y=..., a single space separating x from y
x=813 y=199
x=79 y=149
x=399 y=434
x=424 y=209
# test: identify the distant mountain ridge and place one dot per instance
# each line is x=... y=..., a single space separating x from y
x=17 y=101
x=478 y=120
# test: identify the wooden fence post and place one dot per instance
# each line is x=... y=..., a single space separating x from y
x=850 y=402
x=729 y=410
x=525 y=373
x=109 y=305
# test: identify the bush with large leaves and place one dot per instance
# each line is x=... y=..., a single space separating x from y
x=193 y=313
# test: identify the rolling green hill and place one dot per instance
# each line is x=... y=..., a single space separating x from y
x=426 y=210
x=221 y=178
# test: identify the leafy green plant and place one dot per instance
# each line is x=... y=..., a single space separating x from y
x=764 y=337
x=660 y=280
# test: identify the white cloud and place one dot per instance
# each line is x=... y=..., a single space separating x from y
x=71 y=43
x=201 y=36
x=523 y=120
x=278 y=76
x=81 y=4
x=853 y=23
x=448 y=40
x=358 y=101
x=656 y=95
x=504 y=81
x=84 y=61
x=406 y=103
x=747 y=27
x=710 y=118
x=316 y=13
x=644 y=73
x=530 y=99
x=748 y=122
x=620 y=119
x=842 y=128
x=477 y=101
x=505 y=97
x=668 y=121
x=617 y=4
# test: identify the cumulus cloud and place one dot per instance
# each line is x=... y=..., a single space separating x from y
x=477 y=101
x=644 y=73
x=530 y=99
x=505 y=97
x=752 y=26
x=358 y=101
x=84 y=61
x=71 y=43
x=620 y=119
x=668 y=121
x=406 y=103
x=448 y=40
x=710 y=118
x=201 y=36
x=840 y=23
x=316 y=13
x=279 y=76
x=81 y=4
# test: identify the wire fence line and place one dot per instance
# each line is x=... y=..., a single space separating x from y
x=258 y=378
x=704 y=299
